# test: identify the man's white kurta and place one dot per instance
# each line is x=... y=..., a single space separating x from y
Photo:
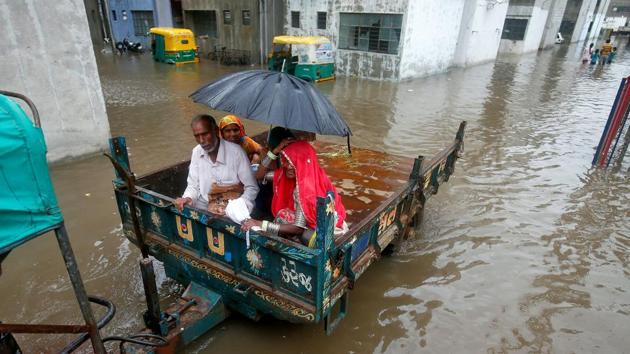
x=231 y=166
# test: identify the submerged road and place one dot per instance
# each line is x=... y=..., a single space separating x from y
x=526 y=249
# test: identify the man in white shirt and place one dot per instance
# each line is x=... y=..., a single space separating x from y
x=215 y=161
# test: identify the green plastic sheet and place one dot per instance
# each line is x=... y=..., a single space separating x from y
x=28 y=205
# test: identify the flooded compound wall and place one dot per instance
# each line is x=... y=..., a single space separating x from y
x=430 y=38
x=480 y=33
x=554 y=20
x=48 y=57
x=233 y=24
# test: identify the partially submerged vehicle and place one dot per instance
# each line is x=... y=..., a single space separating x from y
x=310 y=58
x=226 y=269
x=173 y=45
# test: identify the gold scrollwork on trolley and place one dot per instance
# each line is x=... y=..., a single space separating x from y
x=294 y=310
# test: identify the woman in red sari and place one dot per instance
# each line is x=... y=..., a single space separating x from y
x=296 y=187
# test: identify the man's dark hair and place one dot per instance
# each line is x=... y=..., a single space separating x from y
x=208 y=119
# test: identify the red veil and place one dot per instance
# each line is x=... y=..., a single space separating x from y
x=312 y=182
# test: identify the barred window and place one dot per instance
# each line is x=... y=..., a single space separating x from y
x=247 y=19
x=514 y=28
x=368 y=32
x=321 y=20
x=295 y=19
x=142 y=22
x=227 y=17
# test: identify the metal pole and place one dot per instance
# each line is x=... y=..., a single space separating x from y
x=79 y=289
x=150 y=292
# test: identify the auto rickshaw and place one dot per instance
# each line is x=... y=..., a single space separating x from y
x=173 y=45
x=309 y=58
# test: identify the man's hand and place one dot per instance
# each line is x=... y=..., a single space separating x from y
x=249 y=223
x=180 y=202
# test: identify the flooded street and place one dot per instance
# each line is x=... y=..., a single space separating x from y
x=525 y=249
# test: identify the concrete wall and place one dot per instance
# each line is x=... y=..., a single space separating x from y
x=163 y=14
x=62 y=80
x=480 y=33
x=554 y=19
x=235 y=35
x=585 y=16
x=431 y=31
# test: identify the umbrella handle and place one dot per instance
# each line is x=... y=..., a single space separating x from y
x=349 y=148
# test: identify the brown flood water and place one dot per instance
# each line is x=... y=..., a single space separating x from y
x=526 y=249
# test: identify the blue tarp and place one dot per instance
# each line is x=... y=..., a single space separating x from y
x=28 y=205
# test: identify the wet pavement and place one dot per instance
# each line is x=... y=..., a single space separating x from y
x=526 y=249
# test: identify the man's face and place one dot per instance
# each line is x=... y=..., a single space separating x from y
x=205 y=136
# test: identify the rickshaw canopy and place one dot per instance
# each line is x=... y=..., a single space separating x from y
x=176 y=39
x=300 y=40
x=28 y=205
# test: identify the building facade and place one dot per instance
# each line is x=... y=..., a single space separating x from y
x=244 y=25
x=132 y=19
x=401 y=39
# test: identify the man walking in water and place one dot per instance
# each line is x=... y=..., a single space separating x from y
x=606 y=50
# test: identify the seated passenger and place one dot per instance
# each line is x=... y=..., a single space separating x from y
x=216 y=165
x=232 y=130
x=296 y=187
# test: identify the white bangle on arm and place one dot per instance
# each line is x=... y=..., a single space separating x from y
x=272 y=155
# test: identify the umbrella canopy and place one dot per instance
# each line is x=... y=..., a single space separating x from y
x=275 y=98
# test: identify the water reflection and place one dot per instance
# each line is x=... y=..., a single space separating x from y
x=525 y=249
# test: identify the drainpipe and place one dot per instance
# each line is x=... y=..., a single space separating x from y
x=105 y=20
x=261 y=22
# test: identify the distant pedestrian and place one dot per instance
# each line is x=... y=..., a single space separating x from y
x=606 y=50
x=586 y=54
x=612 y=55
x=595 y=57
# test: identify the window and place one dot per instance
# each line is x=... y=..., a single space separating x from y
x=142 y=22
x=514 y=29
x=321 y=20
x=247 y=20
x=295 y=19
x=227 y=17
x=114 y=15
x=378 y=33
x=204 y=23
x=522 y=2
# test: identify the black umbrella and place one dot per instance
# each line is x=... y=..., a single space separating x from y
x=275 y=98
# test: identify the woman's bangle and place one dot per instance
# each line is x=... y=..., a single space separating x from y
x=273 y=228
x=272 y=155
x=266 y=162
x=264 y=226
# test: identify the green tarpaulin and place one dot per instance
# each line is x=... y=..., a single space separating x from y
x=28 y=205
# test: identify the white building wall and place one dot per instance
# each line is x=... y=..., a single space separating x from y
x=554 y=20
x=48 y=56
x=480 y=32
x=536 y=26
x=431 y=31
x=584 y=19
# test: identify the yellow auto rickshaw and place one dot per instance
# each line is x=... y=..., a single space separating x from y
x=173 y=45
x=311 y=58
